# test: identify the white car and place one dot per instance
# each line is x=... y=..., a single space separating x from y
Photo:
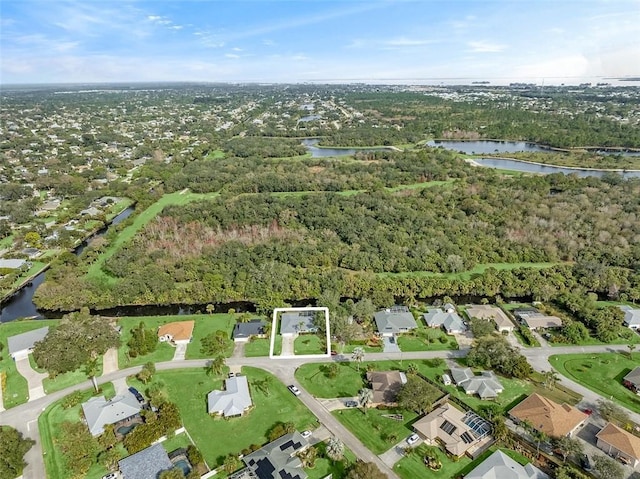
x=411 y=440
x=306 y=434
x=294 y=389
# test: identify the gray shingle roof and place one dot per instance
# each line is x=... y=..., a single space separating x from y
x=500 y=466
x=435 y=317
x=633 y=377
x=99 y=412
x=486 y=385
x=276 y=460
x=254 y=327
x=395 y=320
x=146 y=464
x=631 y=316
x=233 y=401
x=297 y=322
x=23 y=341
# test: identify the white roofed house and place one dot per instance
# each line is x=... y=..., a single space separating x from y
x=500 y=466
x=450 y=321
x=21 y=345
x=395 y=320
x=98 y=412
x=234 y=401
x=486 y=385
x=631 y=317
x=296 y=322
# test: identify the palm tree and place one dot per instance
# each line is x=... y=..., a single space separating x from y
x=210 y=308
x=551 y=378
x=216 y=367
x=631 y=347
x=539 y=437
x=335 y=449
x=365 y=396
x=91 y=369
x=358 y=356
x=412 y=368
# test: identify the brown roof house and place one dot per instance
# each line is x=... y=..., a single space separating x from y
x=534 y=319
x=620 y=444
x=488 y=313
x=551 y=418
x=632 y=380
x=179 y=332
x=385 y=385
x=458 y=431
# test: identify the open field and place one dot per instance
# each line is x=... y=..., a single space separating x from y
x=16 y=391
x=601 y=373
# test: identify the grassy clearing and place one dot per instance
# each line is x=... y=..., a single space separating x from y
x=63 y=381
x=314 y=378
x=188 y=388
x=419 y=186
x=467 y=275
x=601 y=373
x=36 y=268
x=215 y=155
x=324 y=466
x=16 y=389
x=377 y=433
x=260 y=347
x=178 y=198
x=176 y=442
x=426 y=339
x=309 y=344
x=207 y=324
x=164 y=351
x=49 y=425
x=348 y=348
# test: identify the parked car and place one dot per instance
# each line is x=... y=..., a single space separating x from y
x=334 y=353
x=446 y=380
x=231 y=375
x=351 y=404
x=294 y=389
x=111 y=475
x=587 y=411
x=585 y=463
x=411 y=440
x=306 y=434
x=137 y=394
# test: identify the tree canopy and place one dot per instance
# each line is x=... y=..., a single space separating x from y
x=13 y=446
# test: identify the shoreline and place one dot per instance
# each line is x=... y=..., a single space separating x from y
x=575 y=149
x=577 y=168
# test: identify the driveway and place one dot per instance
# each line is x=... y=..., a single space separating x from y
x=238 y=349
x=180 y=352
x=337 y=403
x=396 y=453
x=464 y=339
x=287 y=346
x=34 y=379
x=110 y=361
x=390 y=345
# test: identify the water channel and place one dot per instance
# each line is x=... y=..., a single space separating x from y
x=316 y=152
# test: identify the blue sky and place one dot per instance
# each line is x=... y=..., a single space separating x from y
x=318 y=40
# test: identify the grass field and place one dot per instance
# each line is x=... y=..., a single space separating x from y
x=49 y=425
x=177 y=198
x=36 y=268
x=215 y=437
x=324 y=466
x=63 y=381
x=426 y=339
x=16 y=389
x=164 y=351
x=478 y=269
x=260 y=347
x=309 y=344
x=207 y=324
x=601 y=373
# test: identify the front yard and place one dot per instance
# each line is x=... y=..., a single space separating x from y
x=309 y=344
x=601 y=373
x=426 y=339
x=260 y=347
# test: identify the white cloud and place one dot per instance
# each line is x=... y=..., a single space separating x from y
x=406 y=42
x=231 y=55
x=486 y=47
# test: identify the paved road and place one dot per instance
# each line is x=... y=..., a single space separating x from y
x=24 y=417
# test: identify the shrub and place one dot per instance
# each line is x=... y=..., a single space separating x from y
x=72 y=400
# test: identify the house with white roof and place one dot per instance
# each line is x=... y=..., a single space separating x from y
x=234 y=401
x=631 y=317
x=486 y=385
x=395 y=320
x=450 y=321
x=21 y=345
x=98 y=412
x=500 y=466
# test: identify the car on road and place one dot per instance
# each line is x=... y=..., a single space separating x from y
x=587 y=411
x=306 y=434
x=585 y=463
x=411 y=440
x=351 y=403
x=137 y=394
x=294 y=389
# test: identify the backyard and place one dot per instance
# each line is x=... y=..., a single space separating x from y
x=601 y=373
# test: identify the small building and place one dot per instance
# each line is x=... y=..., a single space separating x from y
x=632 y=380
x=234 y=401
x=178 y=332
x=459 y=432
x=451 y=322
x=21 y=345
x=395 y=320
x=146 y=464
x=293 y=323
x=12 y=263
x=385 y=386
x=91 y=211
x=243 y=332
x=534 y=319
x=549 y=417
x=631 y=317
x=486 y=385
x=491 y=313
x=98 y=412
x=277 y=460
x=500 y=466
x=620 y=444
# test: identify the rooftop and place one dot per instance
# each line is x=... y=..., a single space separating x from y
x=232 y=402
x=484 y=311
x=21 y=342
x=500 y=466
x=146 y=464
x=99 y=412
x=386 y=385
x=297 y=322
x=620 y=439
x=395 y=320
x=555 y=420
x=277 y=460
x=254 y=327
x=179 y=330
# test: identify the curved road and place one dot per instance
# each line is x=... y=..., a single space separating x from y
x=25 y=417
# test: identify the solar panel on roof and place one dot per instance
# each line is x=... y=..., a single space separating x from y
x=466 y=437
x=447 y=427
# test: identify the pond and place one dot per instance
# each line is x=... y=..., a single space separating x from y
x=326 y=152
x=528 y=167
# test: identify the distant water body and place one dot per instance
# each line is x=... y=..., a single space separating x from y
x=316 y=152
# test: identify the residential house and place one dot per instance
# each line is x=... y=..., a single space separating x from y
x=632 y=380
x=243 y=332
x=449 y=308
x=385 y=386
x=277 y=460
x=98 y=412
x=620 y=444
x=395 y=320
x=549 y=417
x=500 y=466
x=179 y=332
x=486 y=385
x=459 y=432
x=12 y=263
x=451 y=322
x=631 y=317
x=293 y=323
x=21 y=345
x=534 y=319
x=234 y=401
x=491 y=313
x=146 y=464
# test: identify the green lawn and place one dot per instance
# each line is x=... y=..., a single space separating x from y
x=49 y=424
x=176 y=442
x=36 y=268
x=625 y=336
x=63 y=381
x=164 y=351
x=426 y=339
x=207 y=324
x=214 y=155
x=177 y=198
x=16 y=390
x=313 y=377
x=215 y=437
x=309 y=344
x=260 y=347
x=324 y=466
x=478 y=269
x=601 y=373
x=348 y=348
x=377 y=433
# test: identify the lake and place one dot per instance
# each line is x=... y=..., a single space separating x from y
x=325 y=152
x=527 y=167
x=479 y=147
